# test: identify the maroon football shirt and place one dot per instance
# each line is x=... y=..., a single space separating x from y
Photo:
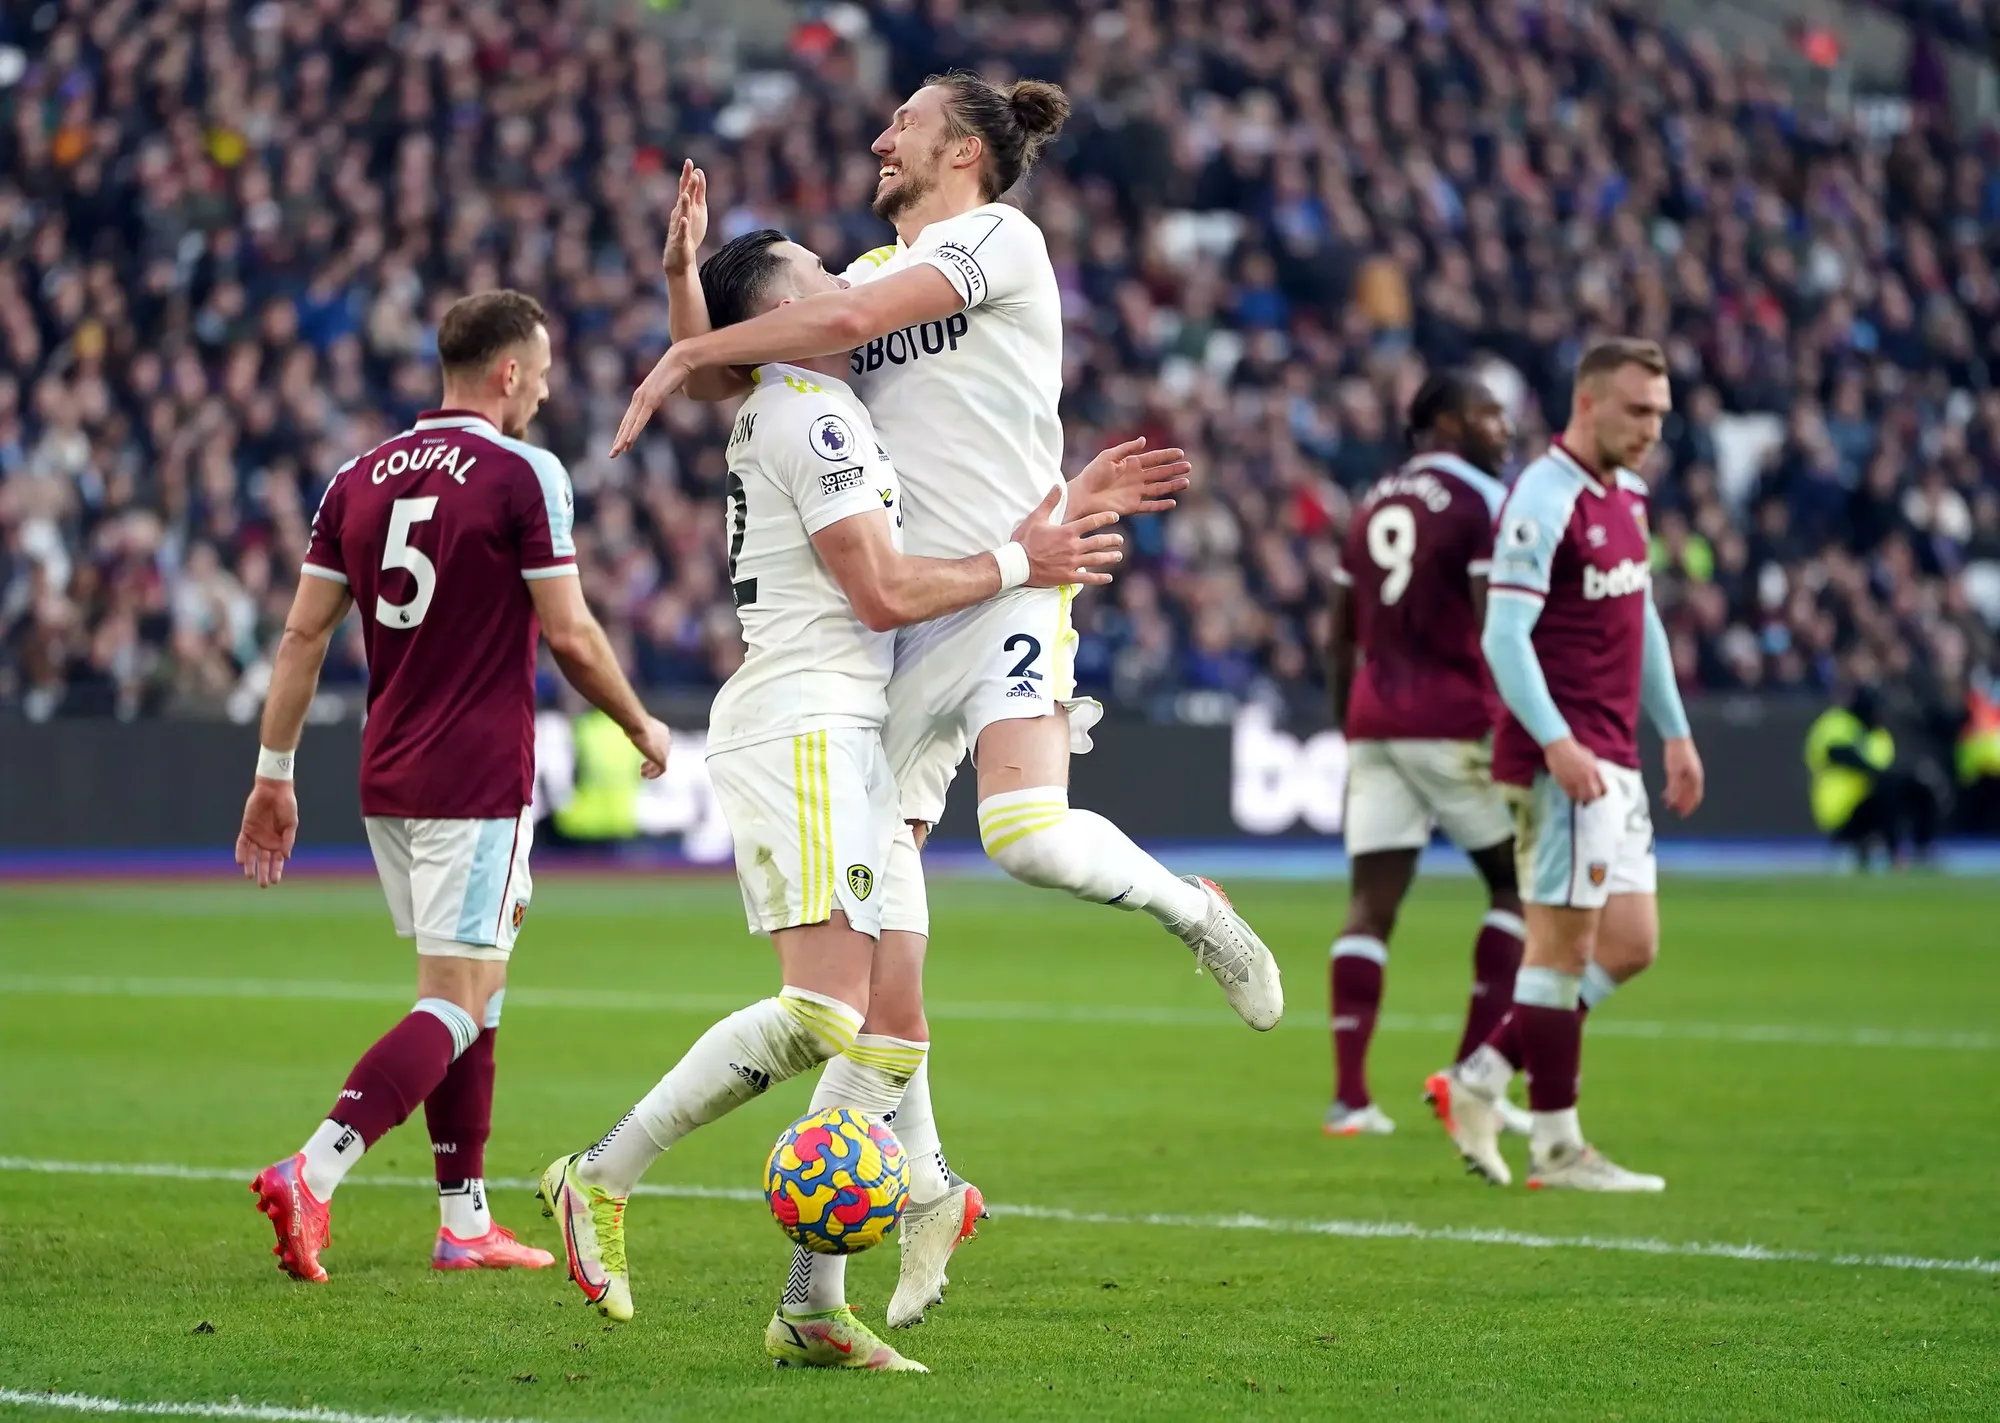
x=1417 y=539
x=1579 y=542
x=435 y=532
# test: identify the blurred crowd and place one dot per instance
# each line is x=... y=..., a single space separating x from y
x=228 y=231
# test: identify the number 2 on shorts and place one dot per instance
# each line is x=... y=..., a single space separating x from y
x=1024 y=667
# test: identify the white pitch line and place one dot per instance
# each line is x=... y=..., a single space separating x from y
x=1275 y=1225
x=275 y=1413
x=1096 y=1014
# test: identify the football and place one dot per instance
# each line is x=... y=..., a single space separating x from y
x=837 y=1183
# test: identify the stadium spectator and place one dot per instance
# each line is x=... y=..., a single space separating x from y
x=228 y=230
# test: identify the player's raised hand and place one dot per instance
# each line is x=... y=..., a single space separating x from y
x=687 y=228
x=1686 y=780
x=1131 y=479
x=1075 y=552
x=652 y=740
x=270 y=829
x=1575 y=770
x=668 y=375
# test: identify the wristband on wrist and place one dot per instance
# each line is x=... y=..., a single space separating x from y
x=1013 y=561
x=274 y=765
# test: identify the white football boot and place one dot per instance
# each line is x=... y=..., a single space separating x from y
x=1371 y=1120
x=1573 y=1166
x=1471 y=1118
x=1242 y=967
x=927 y=1235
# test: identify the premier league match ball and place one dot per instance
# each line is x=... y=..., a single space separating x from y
x=837 y=1183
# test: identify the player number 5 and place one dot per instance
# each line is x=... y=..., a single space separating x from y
x=397 y=553
x=1392 y=543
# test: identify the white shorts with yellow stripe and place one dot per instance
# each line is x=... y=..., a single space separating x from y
x=813 y=817
x=1009 y=658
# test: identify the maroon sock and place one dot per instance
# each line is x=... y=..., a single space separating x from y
x=1552 y=1040
x=1505 y=1038
x=404 y=1067
x=1496 y=957
x=459 y=1113
x=1357 y=997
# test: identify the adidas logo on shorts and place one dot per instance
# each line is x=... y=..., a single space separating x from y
x=1023 y=689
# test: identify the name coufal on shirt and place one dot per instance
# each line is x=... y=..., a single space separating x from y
x=442 y=456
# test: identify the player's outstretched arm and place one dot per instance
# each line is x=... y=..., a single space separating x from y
x=687 y=304
x=1130 y=479
x=271 y=814
x=584 y=654
x=890 y=589
x=1660 y=699
x=824 y=325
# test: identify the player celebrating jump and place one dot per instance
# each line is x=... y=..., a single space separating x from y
x=454 y=540
x=1418 y=714
x=826 y=862
x=1576 y=648
x=956 y=334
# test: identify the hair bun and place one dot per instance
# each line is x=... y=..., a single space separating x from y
x=1041 y=108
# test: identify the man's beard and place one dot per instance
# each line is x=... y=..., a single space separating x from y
x=914 y=188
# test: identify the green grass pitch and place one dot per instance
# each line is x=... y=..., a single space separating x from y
x=1813 y=1066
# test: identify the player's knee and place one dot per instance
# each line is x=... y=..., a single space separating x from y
x=1029 y=835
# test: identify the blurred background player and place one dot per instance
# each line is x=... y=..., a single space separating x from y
x=795 y=754
x=454 y=540
x=1408 y=683
x=1576 y=648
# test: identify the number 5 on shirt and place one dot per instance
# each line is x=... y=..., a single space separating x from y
x=397 y=553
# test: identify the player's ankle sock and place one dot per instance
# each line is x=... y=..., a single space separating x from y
x=330 y=1153
x=462 y=1208
x=770 y=1041
x=1597 y=986
x=916 y=1128
x=459 y=1114
x=1496 y=958
x=403 y=1067
x=1545 y=1005
x=1356 y=973
x=1034 y=836
x=1554 y=1129
x=816 y=1284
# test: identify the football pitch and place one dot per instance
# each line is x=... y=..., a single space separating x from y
x=1813 y=1066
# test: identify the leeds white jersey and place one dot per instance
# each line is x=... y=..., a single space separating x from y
x=803 y=456
x=969 y=403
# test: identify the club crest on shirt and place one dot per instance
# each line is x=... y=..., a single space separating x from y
x=1597 y=871
x=831 y=439
x=861 y=880
x=520 y=912
x=1639 y=518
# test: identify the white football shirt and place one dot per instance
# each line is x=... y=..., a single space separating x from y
x=803 y=456
x=968 y=404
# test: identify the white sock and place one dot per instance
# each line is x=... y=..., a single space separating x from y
x=331 y=1152
x=771 y=1041
x=870 y=1078
x=462 y=1209
x=1554 y=1129
x=1034 y=836
x=916 y=1127
x=1487 y=1071
x=1597 y=986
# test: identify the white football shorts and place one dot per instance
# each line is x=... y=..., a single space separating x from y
x=814 y=819
x=1398 y=790
x=460 y=887
x=1009 y=658
x=1578 y=856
